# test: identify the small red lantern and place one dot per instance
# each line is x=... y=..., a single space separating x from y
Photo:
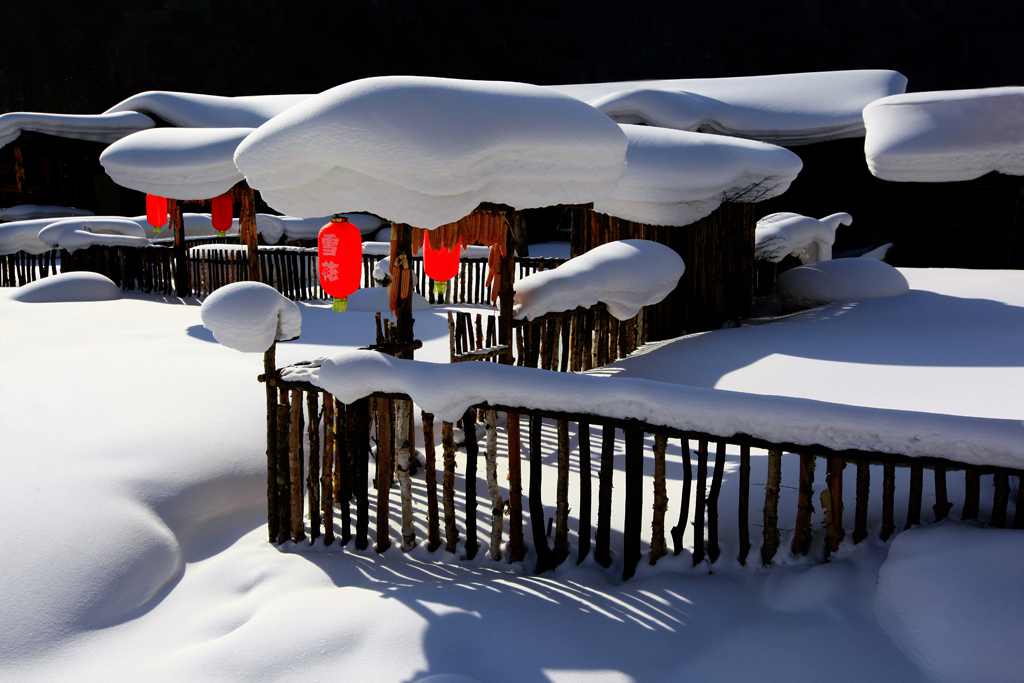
x=221 y=212
x=156 y=211
x=340 y=251
x=441 y=264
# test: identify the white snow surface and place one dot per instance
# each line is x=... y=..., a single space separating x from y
x=946 y=136
x=427 y=151
x=196 y=110
x=250 y=316
x=625 y=275
x=105 y=127
x=842 y=279
x=560 y=250
x=24 y=212
x=949 y=596
x=785 y=109
x=779 y=235
x=24 y=236
x=181 y=163
x=81 y=233
x=64 y=287
x=675 y=177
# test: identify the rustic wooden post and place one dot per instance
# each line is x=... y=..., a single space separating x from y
x=1018 y=513
x=1000 y=498
x=679 y=530
x=401 y=281
x=404 y=455
x=833 y=497
x=516 y=548
x=295 y=467
x=714 y=549
x=313 y=470
x=657 y=550
x=743 y=506
x=972 y=493
x=385 y=466
x=860 y=522
x=358 y=445
x=942 y=505
x=247 y=228
x=472 y=454
x=804 y=506
x=699 y=507
x=497 y=502
x=545 y=560
x=634 y=500
x=270 y=382
x=433 y=521
x=451 y=531
x=584 y=528
x=914 y=499
x=602 y=550
x=182 y=287
x=505 y=295
x=773 y=482
x=562 y=494
x=327 y=479
x=284 y=488
x=344 y=466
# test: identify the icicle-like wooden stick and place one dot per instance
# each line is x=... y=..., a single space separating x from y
x=888 y=501
x=404 y=455
x=602 y=550
x=284 y=486
x=804 y=506
x=327 y=478
x=942 y=505
x=972 y=494
x=914 y=499
x=297 y=527
x=497 y=502
x=714 y=550
x=385 y=465
x=770 y=543
x=433 y=521
x=472 y=453
x=1000 y=499
x=860 y=523
x=657 y=550
x=834 y=503
x=585 y=506
x=634 y=501
x=545 y=561
x=270 y=372
x=451 y=531
x=562 y=494
x=699 y=507
x=679 y=530
x=313 y=470
x=743 y=506
x=516 y=547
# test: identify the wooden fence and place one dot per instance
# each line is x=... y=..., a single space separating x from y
x=21 y=268
x=319 y=452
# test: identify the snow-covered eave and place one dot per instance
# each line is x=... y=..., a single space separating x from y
x=106 y=127
x=447 y=391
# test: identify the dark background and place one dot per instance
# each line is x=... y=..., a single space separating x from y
x=87 y=57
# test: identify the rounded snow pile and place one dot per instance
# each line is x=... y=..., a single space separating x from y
x=675 y=177
x=250 y=316
x=625 y=275
x=427 y=151
x=81 y=233
x=182 y=163
x=843 y=279
x=947 y=135
x=77 y=286
x=778 y=235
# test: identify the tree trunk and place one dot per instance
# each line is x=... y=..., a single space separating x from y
x=247 y=228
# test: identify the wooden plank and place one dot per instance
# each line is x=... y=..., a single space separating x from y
x=942 y=505
x=358 y=446
x=284 y=489
x=269 y=369
x=1000 y=499
x=972 y=493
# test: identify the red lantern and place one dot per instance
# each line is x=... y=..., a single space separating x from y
x=221 y=212
x=441 y=264
x=340 y=251
x=156 y=211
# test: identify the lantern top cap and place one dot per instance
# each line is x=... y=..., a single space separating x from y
x=338 y=218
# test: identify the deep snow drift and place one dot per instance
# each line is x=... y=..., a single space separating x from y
x=946 y=135
x=676 y=177
x=251 y=316
x=844 y=279
x=181 y=163
x=783 y=234
x=78 y=286
x=428 y=151
x=606 y=274
x=786 y=109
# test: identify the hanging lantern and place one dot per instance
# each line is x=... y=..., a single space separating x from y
x=221 y=212
x=156 y=211
x=340 y=251
x=441 y=264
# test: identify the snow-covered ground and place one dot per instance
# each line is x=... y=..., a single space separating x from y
x=133 y=506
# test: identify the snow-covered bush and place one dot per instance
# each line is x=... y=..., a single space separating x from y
x=843 y=279
x=783 y=234
x=77 y=286
x=250 y=316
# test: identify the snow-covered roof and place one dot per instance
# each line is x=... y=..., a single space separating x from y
x=675 y=177
x=97 y=127
x=947 y=135
x=181 y=163
x=779 y=235
x=24 y=212
x=196 y=110
x=83 y=232
x=250 y=316
x=625 y=275
x=427 y=151
x=447 y=391
x=842 y=279
x=786 y=109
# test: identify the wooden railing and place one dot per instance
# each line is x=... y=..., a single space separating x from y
x=319 y=452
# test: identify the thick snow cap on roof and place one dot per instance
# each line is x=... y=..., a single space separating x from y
x=779 y=235
x=195 y=110
x=25 y=212
x=675 y=177
x=947 y=135
x=786 y=109
x=625 y=275
x=182 y=163
x=96 y=127
x=250 y=316
x=80 y=233
x=427 y=151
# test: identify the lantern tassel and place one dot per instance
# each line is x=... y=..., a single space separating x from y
x=340 y=305
x=440 y=287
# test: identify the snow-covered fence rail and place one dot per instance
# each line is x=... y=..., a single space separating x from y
x=319 y=451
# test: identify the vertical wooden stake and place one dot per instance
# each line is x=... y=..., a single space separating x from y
x=404 y=455
x=345 y=479
x=270 y=375
x=699 y=507
x=743 y=507
x=358 y=414
x=1000 y=498
x=1018 y=513
x=247 y=228
x=327 y=479
x=914 y=499
x=972 y=493
x=679 y=530
x=773 y=482
x=860 y=523
x=385 y=466
x=657 y=550
x=942 y=505
x=602 y=551
x=545 y=561
x=472 y=454
x=516 y=547
x=634 y=500
x=284 y=486
x=295 y=467
x=562 y=494
x=433 y=520
x=804 y=507
x=313 y=470
x=451 y=531
x=585 y=506
x=182 y=287
x=834 y=512
x=714 y=549
x=497 y=502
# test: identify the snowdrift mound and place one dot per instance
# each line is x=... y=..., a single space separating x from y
x=24 y=236
x=105 y=127
x=183 y=163
x=947 y=595
x=786 y=109
x=625 y=275
x=250 y=316
x=25 y=212
x=373 y=299
x=779 y=235
x=81 y=233
x=195 y=110
x=676 y=177
x=843 y=279
x=947 y=135
x=427 y=151
x=77 y=286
